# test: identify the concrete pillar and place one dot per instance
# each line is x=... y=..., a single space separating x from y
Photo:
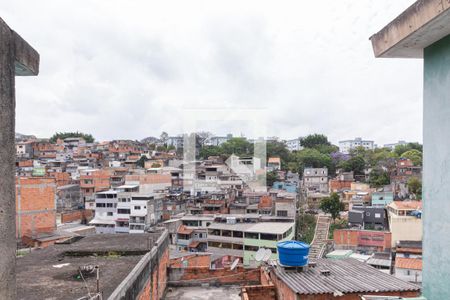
x=16 y=58
x=436 y=171
x=7 y=154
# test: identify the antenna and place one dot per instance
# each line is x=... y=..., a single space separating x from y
x=234 y=264
x=260 y=254
x=267 y=254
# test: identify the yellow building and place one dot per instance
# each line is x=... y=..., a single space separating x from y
x=404 y=224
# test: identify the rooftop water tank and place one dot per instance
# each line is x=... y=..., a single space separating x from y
x=293 y=253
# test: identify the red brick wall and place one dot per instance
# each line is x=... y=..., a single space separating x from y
x=336 y=185
x=76 y=215
x=37 y=212
x=258 y=292
x=193 y=260
x=220 y=276
x=155 y=287
x=352 y=239
x=62 y=178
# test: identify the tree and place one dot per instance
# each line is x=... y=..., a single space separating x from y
x=400 y=149
x=163 y=137
x=379 y=178
x=271 y=177
x=311 y=158
x=141 y=161
x=355 y=164
x=278 y=149
x=313 y=140
x=238 y=146
x=414 y=155
x=415 y=187
x=63 y=135
x=332 y=205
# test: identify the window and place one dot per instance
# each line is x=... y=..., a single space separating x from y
x=214 y=244
x=109 y=205
x=252 y=235
x=238 y=247
x=251 y=248
x=269 y=236
x=282 y=213
x=214 y=232
x=368 y=214
x=137 y=207
x=99 y=204
x=123 y=211
x=238 y=234
x=226 y=233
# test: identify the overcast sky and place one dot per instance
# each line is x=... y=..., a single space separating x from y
x=131 y=69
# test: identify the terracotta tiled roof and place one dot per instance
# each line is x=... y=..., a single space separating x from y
x=184 y=230
x=274 y=160
x=408 y=263
x=410 y=204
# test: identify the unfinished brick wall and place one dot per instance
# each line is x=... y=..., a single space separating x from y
x=76 y=215
x=35 y=206
x=199 y=275
x=156 y=285
x=194 y=260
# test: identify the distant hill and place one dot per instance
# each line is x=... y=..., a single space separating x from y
x=150 y=140
x=24 y=137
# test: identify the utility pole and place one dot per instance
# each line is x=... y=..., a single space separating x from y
x=17 y=57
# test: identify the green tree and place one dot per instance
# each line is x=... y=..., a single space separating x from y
x=415 y=187
x=332 y=205
x=400 y=149
x=278 y=149
x=271 y=177
x=141 y=161
x=63 y=135
x=239 y=146
x=414 y=155
x=311 y=158
x=379 y=178
x=355 y=164
x=313 y=140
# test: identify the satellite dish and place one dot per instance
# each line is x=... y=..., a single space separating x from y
x=260 y=254
x=234 y=264
x=267 y=254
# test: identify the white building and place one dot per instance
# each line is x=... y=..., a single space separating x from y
x=294 y=145
x=126 y=211
x=217 y=140
x=315 y=179
x=347 y=145
x=105 y=212
x=175 y=141
x=393 y=145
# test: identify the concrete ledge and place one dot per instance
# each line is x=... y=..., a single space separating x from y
x=422 y=24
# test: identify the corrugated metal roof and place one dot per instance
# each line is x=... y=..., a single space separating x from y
x=346 y=276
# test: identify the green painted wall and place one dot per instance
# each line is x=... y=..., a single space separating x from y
x=436 y=179
x=249 y=255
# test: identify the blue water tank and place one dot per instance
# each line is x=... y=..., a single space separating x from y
x=293 y=253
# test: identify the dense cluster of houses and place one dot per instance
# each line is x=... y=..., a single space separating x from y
x=207 y=207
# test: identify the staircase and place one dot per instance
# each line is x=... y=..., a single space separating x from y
x=320 y=237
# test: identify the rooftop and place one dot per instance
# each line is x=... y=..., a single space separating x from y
x=345 y=276
x=199 y=293
x=407 y=205
x=54 y=270
x=263 y=227
x=408 y=263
